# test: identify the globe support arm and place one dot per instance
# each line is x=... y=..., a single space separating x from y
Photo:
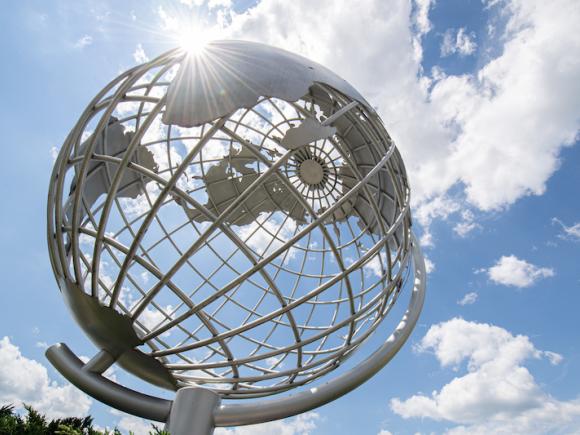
x=101 y=388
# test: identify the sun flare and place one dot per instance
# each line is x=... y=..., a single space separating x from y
x=193 y=39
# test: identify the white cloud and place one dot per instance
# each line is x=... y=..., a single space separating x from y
x=151 y=318
x=571 y=232
x=462 y=229
x=376 y=265
x=493 y=135
x=497 y=393
x=259 y=235
x=169 y=22
x=439 y=207
x=458 y=42
x=139 y=54
x=133 y=207
x=387 y=50
x=213 y=4
x=145 y=276
x=511 y=271
x=467 y=224
x=191 y=3
x=303 y=424
x=24 y=380
x=426 y=239
x=83 y=42
x=503 y=149
x=41 y=344
x=421 y=17
x=468 y=299
x=54 y=153
x=429 y=265
x=385 y=432
x=553 y=357
x=273 y=361
x=136 y=425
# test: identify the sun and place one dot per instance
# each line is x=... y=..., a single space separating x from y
x=194 y=38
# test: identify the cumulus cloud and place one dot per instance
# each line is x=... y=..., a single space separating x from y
x=553 y=357
x=497 y=393
x=426 y=239
x=491 y=136
x=304 y=424
x=41 y=344
x=136 y=425
x=459 y=42
x=571 y=232
x=421 y=16
x=192 y=3
x=511 y=271
x=83 y=41
x=54 y=153
x=26 y=381
x=429 y=265
x=214 y=4
x=265 y=236
x=440 y=207
x=469 y=299
x=376 y=265
x=462 y=229
x=152 y=318
x=139 y=54
x=503 y=148
x=466 y=225
x=388 y=51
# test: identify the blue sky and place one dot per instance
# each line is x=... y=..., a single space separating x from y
x=483 y=100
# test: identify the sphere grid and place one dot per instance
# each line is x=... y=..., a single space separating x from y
x=237 y=271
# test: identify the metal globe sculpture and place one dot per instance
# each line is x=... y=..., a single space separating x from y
x=230 y=224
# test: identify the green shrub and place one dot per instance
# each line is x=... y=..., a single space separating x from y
x=35 y=423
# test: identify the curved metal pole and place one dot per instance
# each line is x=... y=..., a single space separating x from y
x=104 y=390
x=154 y=408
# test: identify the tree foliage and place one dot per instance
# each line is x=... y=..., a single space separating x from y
x=35 y=423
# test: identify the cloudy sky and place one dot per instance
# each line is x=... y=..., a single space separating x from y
x=482 y=98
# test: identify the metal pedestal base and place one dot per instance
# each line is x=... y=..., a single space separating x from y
x=192 y=412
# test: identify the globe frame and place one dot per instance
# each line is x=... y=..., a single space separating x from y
x=88 y=376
